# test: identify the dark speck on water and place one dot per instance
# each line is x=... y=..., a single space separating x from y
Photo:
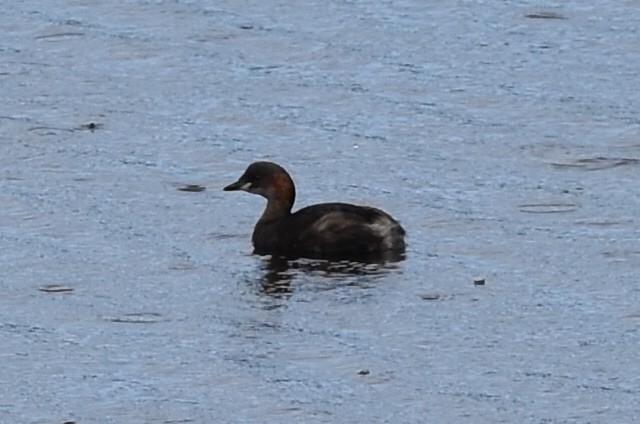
x=91 y=126
x=430 y=296
x=479 y=281
x=55 y=288
x=544 y=15
x=502 y=135
x=193 y=188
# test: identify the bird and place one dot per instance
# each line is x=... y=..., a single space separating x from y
x=332 y=231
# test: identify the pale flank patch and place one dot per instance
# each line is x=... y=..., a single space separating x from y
x=331 y=221
x=383 y=227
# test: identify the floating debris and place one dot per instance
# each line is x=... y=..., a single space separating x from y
x=192 y=188
x=91 y=126
x=55 y=288
x=478 y=281
x=437 y=296
x=544 y=15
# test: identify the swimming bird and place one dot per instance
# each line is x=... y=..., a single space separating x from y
x=334 y=231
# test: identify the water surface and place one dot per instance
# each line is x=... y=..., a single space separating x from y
x=505 y=141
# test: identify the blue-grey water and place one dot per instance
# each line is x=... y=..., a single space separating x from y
x=504 y=135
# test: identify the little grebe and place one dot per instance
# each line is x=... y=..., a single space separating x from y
x=326 y=231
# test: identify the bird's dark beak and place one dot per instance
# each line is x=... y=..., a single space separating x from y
x=238 y=185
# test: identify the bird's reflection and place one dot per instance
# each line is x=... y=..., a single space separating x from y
x=280 y=272
x=277 y=278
